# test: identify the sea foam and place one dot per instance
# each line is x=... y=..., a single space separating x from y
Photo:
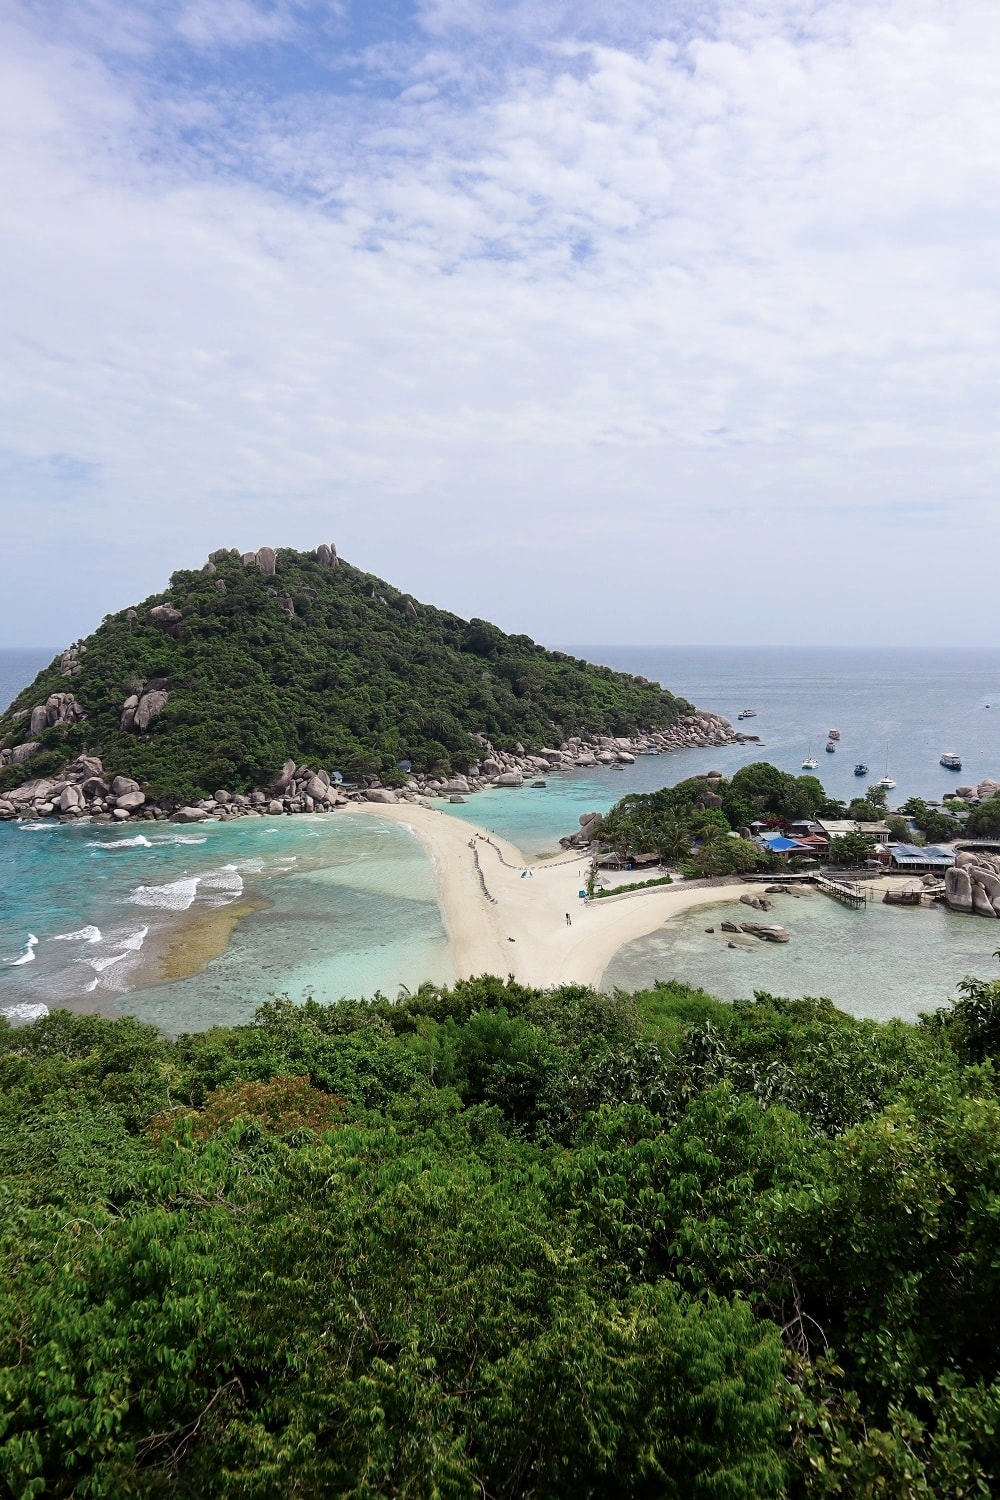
x=24 y=1012
x=27 y=955
x=88 y=934
x=176 y=895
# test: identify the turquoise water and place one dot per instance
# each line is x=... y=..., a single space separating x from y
x=881 y=962
x=350 y=902
x=351 y=908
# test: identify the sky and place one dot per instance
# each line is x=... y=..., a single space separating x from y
x=667 y=321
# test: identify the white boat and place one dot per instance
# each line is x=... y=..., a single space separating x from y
x=833 y=734
x=810 y=763
x=951 y=761
x=886 y=781
x=747 y=713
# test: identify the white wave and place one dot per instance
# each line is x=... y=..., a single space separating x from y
x=27 y=953
x=86 y=934
x=37 y=827
x=25 y=1012
x=129 y=946
x=176 y=895
x=92 y=986
x=181 y=838
x=249 y=866
x=139 y=842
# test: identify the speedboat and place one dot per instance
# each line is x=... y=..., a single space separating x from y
x=747 y=713
x=830 y=747
x=951 y=761
x=833 y=734
x=810 y=763
x=861 y=769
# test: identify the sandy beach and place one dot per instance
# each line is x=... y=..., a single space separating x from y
x=523 y=931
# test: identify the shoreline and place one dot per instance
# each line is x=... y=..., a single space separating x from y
x=531 y=910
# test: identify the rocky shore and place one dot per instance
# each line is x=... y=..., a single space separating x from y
x=973 y=883
x=85 y=789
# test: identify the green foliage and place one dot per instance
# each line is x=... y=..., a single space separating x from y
x=634 y=885
x=983 y=821
x=356 y=680
x=936 y=826
x=487 y=1239
x=852 y=848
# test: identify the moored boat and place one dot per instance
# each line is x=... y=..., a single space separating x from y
x=951 y=761
x=810 y=763
x=861 y=769
x=833 y=734
x=830 y=747
x=747 y=713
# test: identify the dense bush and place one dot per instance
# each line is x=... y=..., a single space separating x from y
x=360 y=678
x=492 y=1240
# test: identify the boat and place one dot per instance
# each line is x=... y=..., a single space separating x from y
x=810 y=763
x=833 y=734
x=951 y=761
x=747 y=713
x=886 y=780
x=830 y=747
x=861 y=769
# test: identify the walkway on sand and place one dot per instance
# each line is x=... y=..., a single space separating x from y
x=502 y=922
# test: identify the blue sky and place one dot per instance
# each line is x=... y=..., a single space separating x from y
x=646 y=322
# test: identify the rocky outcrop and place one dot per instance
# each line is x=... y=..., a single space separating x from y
x=166 y=618
x=771 y=934
x=326 y=553
x=140 y=708
x=58 y=708
x=973 y=884
x=70 y=663
x=590 y=827
x=267 y=561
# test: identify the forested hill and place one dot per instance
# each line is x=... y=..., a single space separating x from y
x=237 y=667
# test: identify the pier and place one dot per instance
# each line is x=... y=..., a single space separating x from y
x=850 y=895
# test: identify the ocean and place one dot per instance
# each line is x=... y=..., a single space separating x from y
x=333 y=906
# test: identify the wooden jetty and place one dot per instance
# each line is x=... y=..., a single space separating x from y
x=850 y=895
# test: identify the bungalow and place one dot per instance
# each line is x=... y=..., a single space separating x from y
x=835 y=828
x=911 y=857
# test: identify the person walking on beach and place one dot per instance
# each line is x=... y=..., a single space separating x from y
x=569 y=920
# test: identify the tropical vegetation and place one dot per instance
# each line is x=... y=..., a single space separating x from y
x=487 y=1240
x=326 y=666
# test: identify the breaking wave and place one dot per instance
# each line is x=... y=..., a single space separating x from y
x=24 y=1012
x=27 y=955
x=86 y=934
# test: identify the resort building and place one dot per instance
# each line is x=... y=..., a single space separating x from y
x=835 y=828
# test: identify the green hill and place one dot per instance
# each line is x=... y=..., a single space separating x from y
x=241 y=667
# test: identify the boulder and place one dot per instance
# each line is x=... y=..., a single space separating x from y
x=326 y=553
x=773 y=934
x=958 y=889
x=209 y=568
x=124 y=784
x=729 y=927
x=456 y=797
x=286 y=777
x=588 y=758
x=267 y=561
x=70 y=799
x=21 y=753
x=490 y=767
x=222 y=797
x=149 y=705
x=128 y=712
x=86 y=765
x=218 y=554
x=248 y=559
x=379 y=794
x=165 y=615
x=94 y=787
x=981 y=903
x=275 y=807
x=7 y=809
x=39 y=720
x=317 y=789
x=132 y=801
x=510 y=778
x=189 y=815
x=455 y=784
x=988 y=880
x=121 y=814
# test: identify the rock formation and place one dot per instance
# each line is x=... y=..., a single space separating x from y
x=973 y=883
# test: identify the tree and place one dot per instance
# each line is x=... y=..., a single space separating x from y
x=852 y=849
x=984 y=821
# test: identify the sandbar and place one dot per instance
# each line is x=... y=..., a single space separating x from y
x=518 y=924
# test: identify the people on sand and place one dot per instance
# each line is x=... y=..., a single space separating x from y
x=569 y=920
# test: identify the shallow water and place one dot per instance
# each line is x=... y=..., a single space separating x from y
x=882 y=962
x=349 y=907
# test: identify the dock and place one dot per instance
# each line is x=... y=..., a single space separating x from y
x=841 y=890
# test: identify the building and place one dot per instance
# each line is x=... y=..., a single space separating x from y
x=835 y=828
x=911 y=857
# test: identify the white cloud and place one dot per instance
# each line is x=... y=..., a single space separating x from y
x=594 y=311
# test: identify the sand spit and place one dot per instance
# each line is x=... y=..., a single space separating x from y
x=509 y=922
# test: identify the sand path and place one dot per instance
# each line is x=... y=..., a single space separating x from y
x=530 y=909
